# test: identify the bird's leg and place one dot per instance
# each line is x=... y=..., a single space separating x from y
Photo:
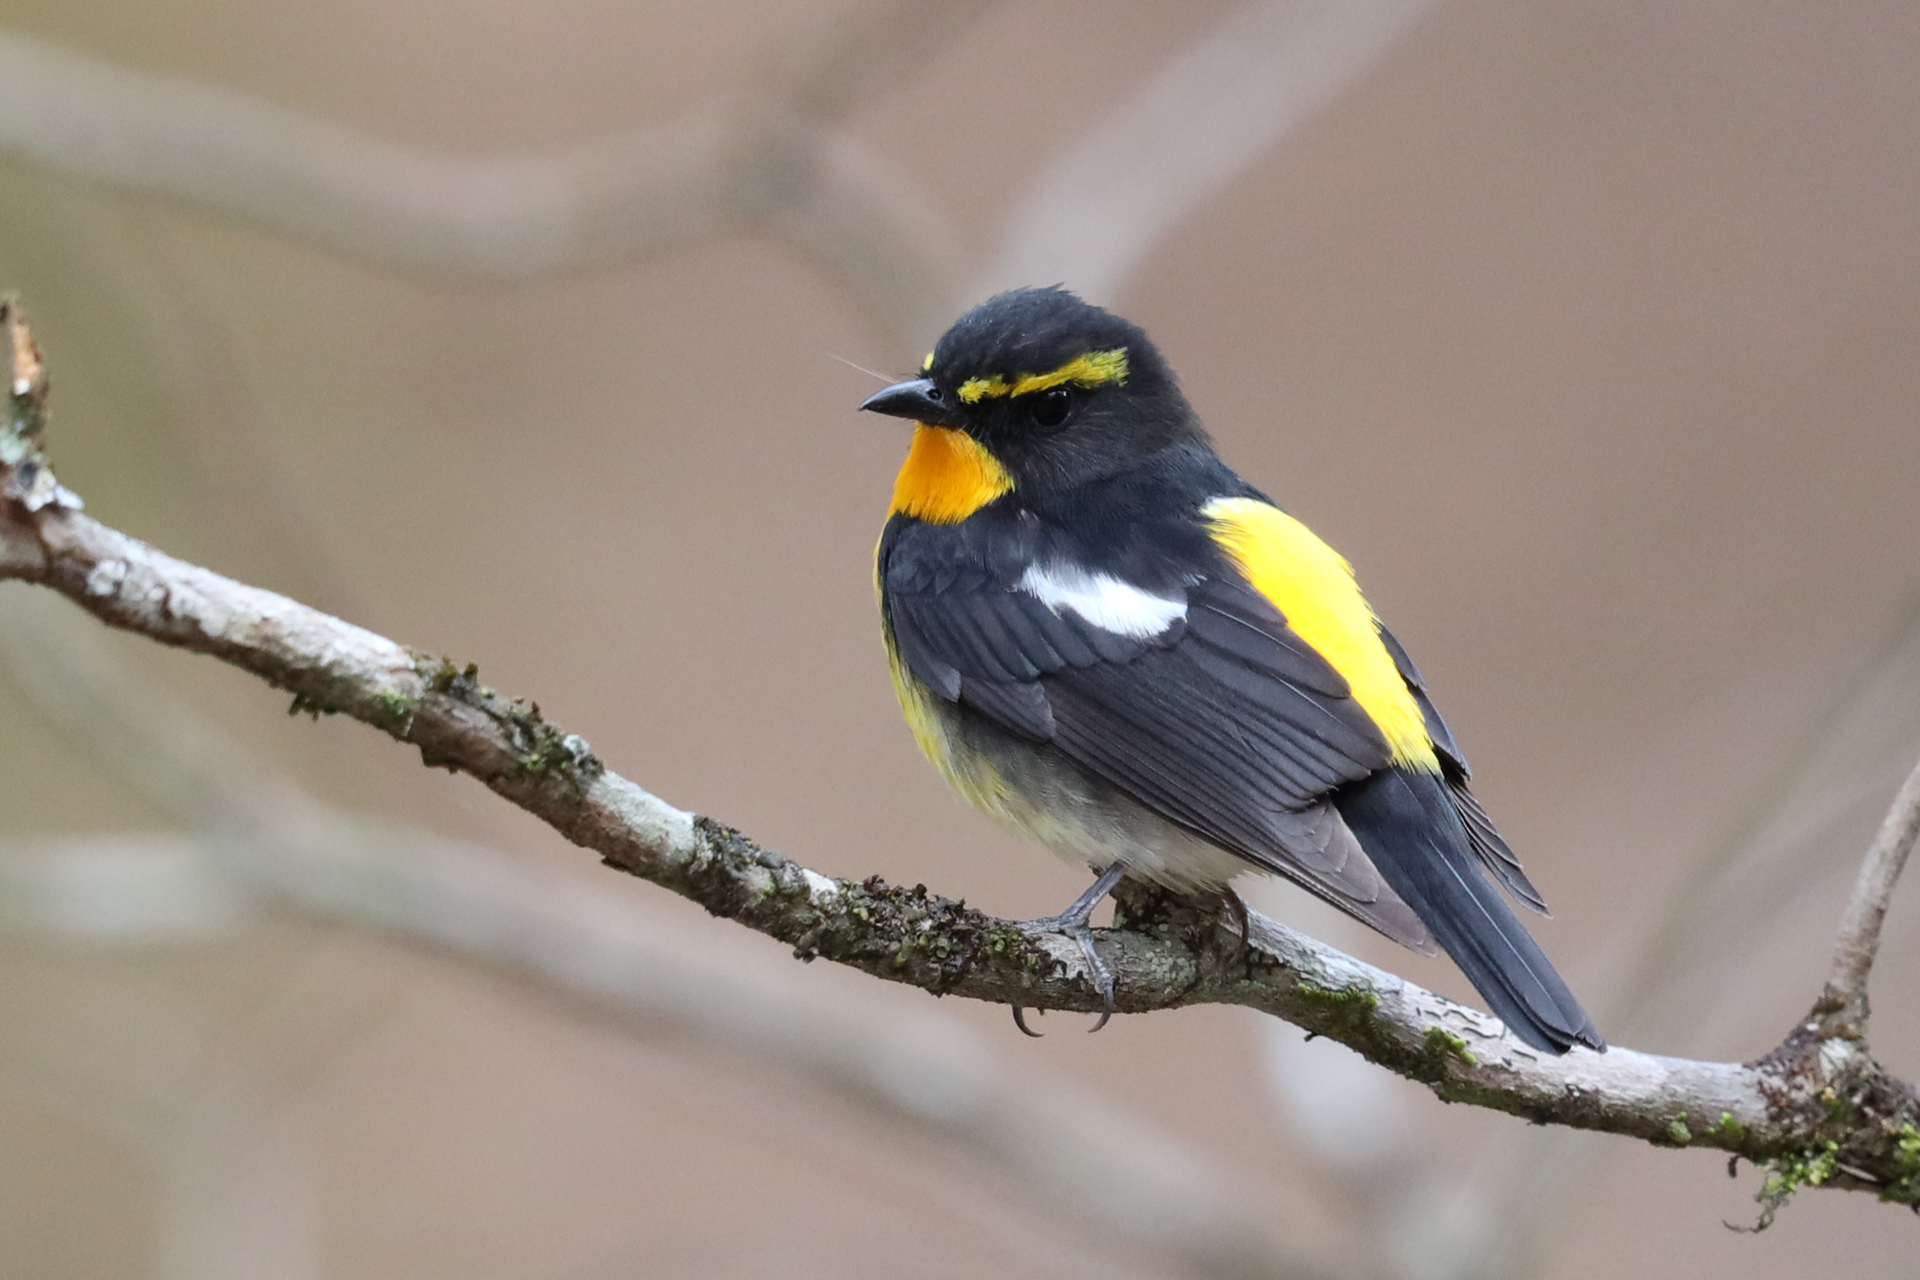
x=1238 y=905
x=1073 y=923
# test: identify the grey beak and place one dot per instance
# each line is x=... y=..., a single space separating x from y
x=919 y=400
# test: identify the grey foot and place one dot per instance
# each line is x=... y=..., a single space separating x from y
x=1073 y=924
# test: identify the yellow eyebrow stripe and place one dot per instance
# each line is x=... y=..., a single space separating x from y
x=974 y=390
x=1313 y=587
x=1094 y=369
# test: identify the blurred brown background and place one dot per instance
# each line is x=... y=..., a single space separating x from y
x=521 y=332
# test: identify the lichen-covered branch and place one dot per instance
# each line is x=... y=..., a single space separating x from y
x=1818 y=1108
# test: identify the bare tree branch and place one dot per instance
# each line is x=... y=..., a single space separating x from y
x=1820 y=1108
x=1842 y=1009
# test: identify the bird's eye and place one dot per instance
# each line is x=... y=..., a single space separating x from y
x=1050 y=406
x=934 y=393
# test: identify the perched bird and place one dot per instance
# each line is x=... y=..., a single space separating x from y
x=1105 y=638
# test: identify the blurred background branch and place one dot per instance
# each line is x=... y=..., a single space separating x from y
x=772 y=158
x=1092 y=214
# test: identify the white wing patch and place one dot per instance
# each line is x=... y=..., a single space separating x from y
x=1103 y=600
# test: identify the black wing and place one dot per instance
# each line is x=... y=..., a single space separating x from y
x=1224 y=721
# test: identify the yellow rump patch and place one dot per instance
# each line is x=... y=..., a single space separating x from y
x=1094 y=369
x=1313 y=586
x=948 y=475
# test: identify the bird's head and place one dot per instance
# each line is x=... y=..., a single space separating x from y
x=1033 y=390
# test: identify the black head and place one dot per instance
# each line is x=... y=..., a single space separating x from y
x=1059 y=391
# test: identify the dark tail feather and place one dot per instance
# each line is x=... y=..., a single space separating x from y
x=1407 y=823
x=1492 y=848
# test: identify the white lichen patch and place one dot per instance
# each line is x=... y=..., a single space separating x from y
x=105 y=578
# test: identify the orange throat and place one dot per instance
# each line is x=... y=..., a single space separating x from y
x=948 y=475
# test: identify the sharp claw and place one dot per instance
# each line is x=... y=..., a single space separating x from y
x=1073 y=924
x=1020 y=1021
x=1098 y=974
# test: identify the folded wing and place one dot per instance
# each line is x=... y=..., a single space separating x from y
x=1193 y=697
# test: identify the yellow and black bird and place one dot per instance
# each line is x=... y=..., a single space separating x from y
x=1105 y=638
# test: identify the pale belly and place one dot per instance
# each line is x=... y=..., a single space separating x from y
x=1032 y=789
